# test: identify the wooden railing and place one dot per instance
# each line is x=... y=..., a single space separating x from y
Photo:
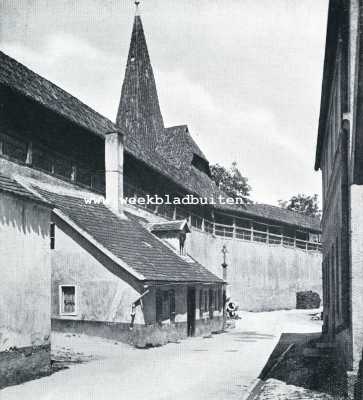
x=228 y=232
x=225 y=231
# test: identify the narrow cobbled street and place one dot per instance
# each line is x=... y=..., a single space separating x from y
x=223 y=366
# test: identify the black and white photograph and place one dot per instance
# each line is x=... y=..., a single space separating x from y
x=181 y=199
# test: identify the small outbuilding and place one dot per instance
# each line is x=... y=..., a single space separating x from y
x=114 y=278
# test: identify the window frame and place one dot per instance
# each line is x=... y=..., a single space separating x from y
x=61 y=312
x=52 y=235
x=165 y=306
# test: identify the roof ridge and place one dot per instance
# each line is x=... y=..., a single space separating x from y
x=177 y=126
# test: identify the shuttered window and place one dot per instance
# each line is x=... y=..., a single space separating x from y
x=165 y=305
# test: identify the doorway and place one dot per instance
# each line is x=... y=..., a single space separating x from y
x=191 y=311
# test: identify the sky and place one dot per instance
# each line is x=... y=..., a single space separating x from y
x=245 y=76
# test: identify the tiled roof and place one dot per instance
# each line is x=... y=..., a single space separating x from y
x=169 y=226
x=172 y=150
x=11 y=186
x=128 y=240
x=274 y=213
x=16 y=76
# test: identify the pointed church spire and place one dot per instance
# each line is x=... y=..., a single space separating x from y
x=139 y=112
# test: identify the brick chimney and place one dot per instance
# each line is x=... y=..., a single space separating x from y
x=114 y=159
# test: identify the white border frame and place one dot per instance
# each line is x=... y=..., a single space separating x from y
x=61 y=313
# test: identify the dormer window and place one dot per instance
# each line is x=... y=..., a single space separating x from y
x=201 y=164
x=172 y=230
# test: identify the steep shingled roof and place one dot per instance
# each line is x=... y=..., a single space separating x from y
x=139 y=111
x=128 y=240
x=177 y=145
x=16 y=76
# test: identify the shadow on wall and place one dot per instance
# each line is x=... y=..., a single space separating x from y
x=23 y=215
x=297 y=360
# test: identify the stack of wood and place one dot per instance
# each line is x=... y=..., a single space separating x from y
x=307 y=300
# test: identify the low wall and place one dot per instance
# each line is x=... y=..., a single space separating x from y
x=140 y=335
x=261 y=277
x=26 y=363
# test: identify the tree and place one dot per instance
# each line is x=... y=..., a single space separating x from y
x=302 y=203
x=231 y=181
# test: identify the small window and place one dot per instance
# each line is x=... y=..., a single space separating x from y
x=67 y=294
x=52 y=236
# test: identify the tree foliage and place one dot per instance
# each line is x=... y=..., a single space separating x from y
x=303 y=203
x=231 y=181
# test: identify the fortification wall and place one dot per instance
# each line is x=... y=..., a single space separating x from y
x=260 y=276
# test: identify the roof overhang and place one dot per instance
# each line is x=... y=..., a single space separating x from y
x=173 y=226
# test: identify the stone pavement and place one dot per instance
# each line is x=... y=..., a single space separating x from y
x=213 y=368
x=274 y=389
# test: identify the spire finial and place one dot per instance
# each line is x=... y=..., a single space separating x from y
x=137 y=2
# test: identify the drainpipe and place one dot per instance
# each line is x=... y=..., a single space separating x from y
x=133 y=308
x=224 y=272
